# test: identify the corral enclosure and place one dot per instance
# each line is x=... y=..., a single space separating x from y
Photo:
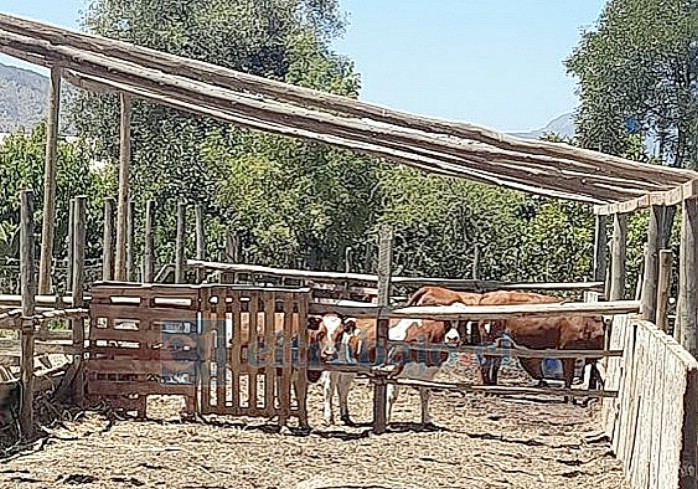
x=234 y=353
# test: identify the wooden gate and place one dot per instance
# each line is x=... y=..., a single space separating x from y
x=142 y=341
x=229 y=350
x=255 y=360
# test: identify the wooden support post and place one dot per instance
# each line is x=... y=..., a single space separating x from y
x=108 y=240
x=179 y=243
x=620 y=232
x=149 y=243
x=49 y=211
x=124 y=171
x=200 y=241
x=77 y=294
x=476 y=262
x=650 y=276
x=131 y=241
x=69 y=250
x=347 y=259
x=26 y=264
x=687 y=310
x=663 y=285
x=380 y=390
x=232 y=255
x=600 y=248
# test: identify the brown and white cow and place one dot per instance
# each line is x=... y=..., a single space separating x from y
x=354 y=341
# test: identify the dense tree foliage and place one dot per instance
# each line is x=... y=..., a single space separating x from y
x=637 y=73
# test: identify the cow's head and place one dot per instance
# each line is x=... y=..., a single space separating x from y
x=327 y=333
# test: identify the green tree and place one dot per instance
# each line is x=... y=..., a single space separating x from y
x=640 y=65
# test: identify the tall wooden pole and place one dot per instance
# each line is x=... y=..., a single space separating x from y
x=476 y=263
x=26 y=264
x=179 y=244
x=131 y=241
x=664 y=282
x=149 y=243
x=687 y=315
x=200 y=241
x=124 y=171
x=651 y=272
x=620 y=232
x=380 y=387
x=108 y=240
x=48 y=225
x=78 y=325
x=600 y=247
x=232 y=255
x=69 y=257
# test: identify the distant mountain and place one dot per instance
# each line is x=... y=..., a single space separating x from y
x=22 y=98
x=563 y=126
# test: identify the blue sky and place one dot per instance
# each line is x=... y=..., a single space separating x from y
x=492 y=62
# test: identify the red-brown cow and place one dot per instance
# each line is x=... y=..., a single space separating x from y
x=490 y=331
x=440 y=296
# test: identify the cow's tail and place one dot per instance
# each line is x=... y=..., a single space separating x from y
x=416 y=298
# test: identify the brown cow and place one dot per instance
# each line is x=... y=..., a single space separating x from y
x=490 y=331
x=440 y=296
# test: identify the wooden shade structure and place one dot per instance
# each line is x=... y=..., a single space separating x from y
x=435 y=146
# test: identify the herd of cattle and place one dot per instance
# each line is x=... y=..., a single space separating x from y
x=337 y=339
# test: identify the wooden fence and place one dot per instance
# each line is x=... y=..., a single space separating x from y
x=652 y=422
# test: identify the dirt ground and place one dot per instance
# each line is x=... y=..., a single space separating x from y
x=483 y=442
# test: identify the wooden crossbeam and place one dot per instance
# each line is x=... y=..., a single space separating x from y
x=688 y=190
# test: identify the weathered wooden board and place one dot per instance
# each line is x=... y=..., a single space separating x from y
x=651 y=423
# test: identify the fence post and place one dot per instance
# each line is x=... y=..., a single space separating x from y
x=687 y=309
x=124 y=171
x=380 y=387
x=26 y=263
x=108 y=240
x=649 y=285
x=476 y=262
x=200 y=242
x=69 y=251
x=149 y=243
x=664 y=281
x=77 y=294
x=600 y=247
x=130 y=241
x=48 y=225
x=232 y=252
x=620 y=232
x=179 y=243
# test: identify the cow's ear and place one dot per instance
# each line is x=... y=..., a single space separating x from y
x=350 y=325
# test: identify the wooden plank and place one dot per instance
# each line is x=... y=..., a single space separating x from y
x=657 y=409
x=69 y=247
x=108 y=245
x=142 y=388
x=131 y=240
x=77 y=293
x=380 y=392
x=200 y=241
x=49 y=207
x=124 y=175
x=221 y=351
x=133 y=366
x=253 y=401
x=285 y=381
x=341 y=277
x=269 y=353
x=27 y=266
x=302 y=378
x=235 y=347
x=205 y=345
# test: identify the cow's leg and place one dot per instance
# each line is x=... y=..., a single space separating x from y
x=343 y=387
x=329 y=383
x=495 y=363
x=568 y=374
x=425 y=395
x=393 y=391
